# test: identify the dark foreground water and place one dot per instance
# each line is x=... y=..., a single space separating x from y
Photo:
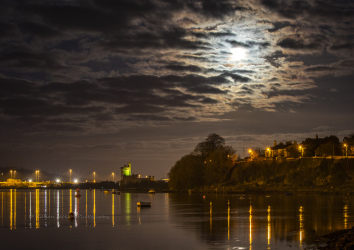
x=38 y=219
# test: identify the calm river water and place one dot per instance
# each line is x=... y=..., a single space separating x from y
x=38 y=219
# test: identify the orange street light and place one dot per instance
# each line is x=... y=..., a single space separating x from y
x=14 y=174
x=11 y=173
x=94 y=176
x=113 y=176
x=302 y=151
x=37 y=175
x=70 y=174
x=346 y=150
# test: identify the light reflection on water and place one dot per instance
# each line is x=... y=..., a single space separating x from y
x=210 y=222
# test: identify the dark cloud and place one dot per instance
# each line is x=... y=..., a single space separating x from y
x=248 y=44
x=280 y=25
x=289 y=43
x=141 y=108
x=206 y=90
x=320 y=68
x=318 y=9
x=190 y=68
x=345 y=46
x=245 y=91
x=273 y=59
x=148 y=118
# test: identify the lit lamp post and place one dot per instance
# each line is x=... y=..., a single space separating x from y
x=250 y=151
x=302 y=151
x=11 y=173
x=113 y=176
x=70 y=174
x=37 y=175
x=14 y=174
x=268 y=150
x=94 y=176
x=346 y=152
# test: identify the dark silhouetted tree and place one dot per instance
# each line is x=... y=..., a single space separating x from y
x=211 y=143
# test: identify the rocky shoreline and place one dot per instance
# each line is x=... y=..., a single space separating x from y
x=340 y=240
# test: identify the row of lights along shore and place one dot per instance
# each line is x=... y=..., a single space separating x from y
x=58 y=180
x=94 y=173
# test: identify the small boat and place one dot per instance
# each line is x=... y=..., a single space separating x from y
x=71 y=216
x=144 y=204
x=106 y=192
x=151 y=191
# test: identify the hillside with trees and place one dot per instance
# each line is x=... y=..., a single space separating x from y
x=210 y=163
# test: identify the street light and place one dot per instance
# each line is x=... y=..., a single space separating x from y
x=58 y=180
x=14 y=174
x=113 y=176
x=70 y=174
x=346 y=150
x=37 y=175
x=302 y=151
x=11 y=173
x=94 y=176
x=75 y=181
x=268 y=149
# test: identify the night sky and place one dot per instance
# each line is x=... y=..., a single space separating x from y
x=91 y=85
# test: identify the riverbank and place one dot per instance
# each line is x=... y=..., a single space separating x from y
x=340 y=240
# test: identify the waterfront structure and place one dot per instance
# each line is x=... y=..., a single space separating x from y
x=127 y=177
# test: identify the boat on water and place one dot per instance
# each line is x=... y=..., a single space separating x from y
x=151 y=191
x=144 y=204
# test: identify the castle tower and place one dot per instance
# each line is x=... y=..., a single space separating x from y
x=126 y=170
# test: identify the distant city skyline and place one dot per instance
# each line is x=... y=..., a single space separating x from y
x=92 y=85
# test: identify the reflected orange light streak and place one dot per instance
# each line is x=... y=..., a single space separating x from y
x=269 y=227
x=10 y=209
x=15 y=209
x=37 y=208
x=301 y=230
x=345 y=215
x=250 y=227
x=211 y=217
x=94 y=208
x=113 y=209
x=228 y=220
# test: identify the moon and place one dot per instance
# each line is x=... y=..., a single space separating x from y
x=238 y=54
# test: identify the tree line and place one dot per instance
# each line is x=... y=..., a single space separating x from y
x=210 y=163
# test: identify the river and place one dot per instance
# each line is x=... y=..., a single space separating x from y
x=38 y=219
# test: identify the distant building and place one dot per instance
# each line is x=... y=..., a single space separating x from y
x=126 y=170
x=127 y=177
x=283 y=150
